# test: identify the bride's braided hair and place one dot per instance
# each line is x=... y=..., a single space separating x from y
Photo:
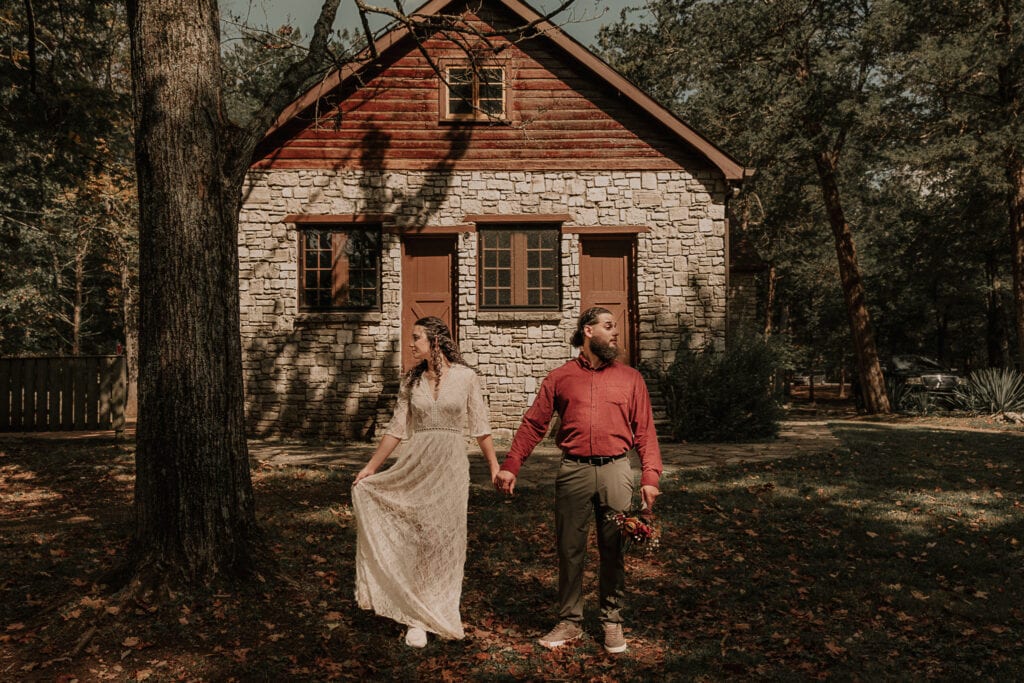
x=442 y=346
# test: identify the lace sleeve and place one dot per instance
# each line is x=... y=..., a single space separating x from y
x=476 y=409
x=399 y=425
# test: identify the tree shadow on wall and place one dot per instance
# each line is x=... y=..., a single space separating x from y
x=290 y=391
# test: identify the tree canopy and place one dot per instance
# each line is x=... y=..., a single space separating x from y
x=913 y=108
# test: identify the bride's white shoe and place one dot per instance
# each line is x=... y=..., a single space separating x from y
x=416 y=637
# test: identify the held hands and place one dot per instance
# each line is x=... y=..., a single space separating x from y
x=505 y=482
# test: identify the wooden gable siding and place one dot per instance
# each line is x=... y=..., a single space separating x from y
x=560 y=118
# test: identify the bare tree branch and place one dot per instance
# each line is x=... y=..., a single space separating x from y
x=287 y=90
x=476 y=43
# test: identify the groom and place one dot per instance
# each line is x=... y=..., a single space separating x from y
x=605 y=413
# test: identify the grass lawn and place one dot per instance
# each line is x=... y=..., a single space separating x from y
x=897 y=557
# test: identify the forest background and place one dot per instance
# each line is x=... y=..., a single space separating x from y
x=924 y=111
x=919 y=104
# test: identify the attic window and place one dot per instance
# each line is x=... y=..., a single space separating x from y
x=473 y=93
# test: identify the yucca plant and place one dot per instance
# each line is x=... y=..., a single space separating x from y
x=900 y=394
x=919 y=403
x=992 y=391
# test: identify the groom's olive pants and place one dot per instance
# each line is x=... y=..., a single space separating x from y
x=584 y=492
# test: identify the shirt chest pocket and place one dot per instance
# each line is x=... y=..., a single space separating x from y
x=616 y=394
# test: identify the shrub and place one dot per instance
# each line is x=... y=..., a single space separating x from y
x=992 y=391
x=715 y=396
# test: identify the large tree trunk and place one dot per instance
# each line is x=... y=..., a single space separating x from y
x=195 y=517
x=1015 y=178
x=871 y=380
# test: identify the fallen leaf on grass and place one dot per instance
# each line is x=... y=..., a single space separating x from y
x=94 y=603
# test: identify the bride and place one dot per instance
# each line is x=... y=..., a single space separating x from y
x=411 y=518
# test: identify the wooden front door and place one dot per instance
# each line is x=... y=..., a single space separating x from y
x=607 y=279
x=428 y=285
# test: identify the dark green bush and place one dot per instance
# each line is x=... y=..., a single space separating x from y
x=723 y=396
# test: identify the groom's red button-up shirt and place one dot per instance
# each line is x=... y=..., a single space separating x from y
x=604 y=411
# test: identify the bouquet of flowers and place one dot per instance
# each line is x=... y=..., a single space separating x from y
x=637 y=528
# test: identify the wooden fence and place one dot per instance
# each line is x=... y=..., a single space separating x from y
x=62 y=393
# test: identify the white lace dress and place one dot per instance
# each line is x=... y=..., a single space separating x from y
x=411 y=517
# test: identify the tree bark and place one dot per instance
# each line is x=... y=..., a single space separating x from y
x=1015 y=201
x=195 y=516
x=869 y=371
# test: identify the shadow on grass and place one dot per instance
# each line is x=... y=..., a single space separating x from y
x=898 y=556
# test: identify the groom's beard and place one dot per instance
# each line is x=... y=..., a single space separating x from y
x=606 y=352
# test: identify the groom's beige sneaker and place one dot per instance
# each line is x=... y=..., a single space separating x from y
x=561 y=634
x=614 y=641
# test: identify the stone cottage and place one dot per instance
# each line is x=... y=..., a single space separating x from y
x=501 y=190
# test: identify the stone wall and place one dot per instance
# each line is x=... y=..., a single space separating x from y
x=334 y=375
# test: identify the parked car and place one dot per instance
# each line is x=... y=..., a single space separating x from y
x=924 y=373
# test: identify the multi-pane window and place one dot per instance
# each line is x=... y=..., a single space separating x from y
x=475 y=92
x=519 y=268
x=339 y=269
